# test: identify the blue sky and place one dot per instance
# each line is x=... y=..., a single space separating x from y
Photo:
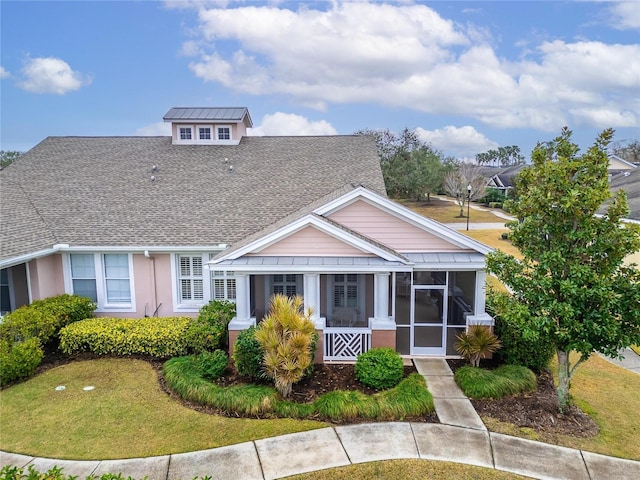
x=467 y=76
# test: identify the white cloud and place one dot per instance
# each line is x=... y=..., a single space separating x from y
x=4 y=73
x=159 y=129
x=291 y=124
x=51 y=75
x=462 y=142
x=408 y=56
x=625 y=15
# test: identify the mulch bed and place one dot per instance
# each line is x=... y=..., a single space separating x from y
x=536 y=410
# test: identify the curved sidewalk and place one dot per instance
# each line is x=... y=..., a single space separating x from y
x=461 y=437
x=286 y=455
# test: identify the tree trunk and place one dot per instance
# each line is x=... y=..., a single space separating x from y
x=564 y=379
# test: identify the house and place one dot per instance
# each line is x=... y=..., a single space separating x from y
x=162 y=225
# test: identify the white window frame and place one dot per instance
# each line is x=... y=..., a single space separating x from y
x=191 y=278
x=224 y=140
x=179 y=134
x=199 y=129
x=101 y=281
x=229 y=285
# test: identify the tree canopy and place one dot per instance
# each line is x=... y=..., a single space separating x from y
x=411 y=168
x=7 y=157
x=457 y=183
x=572 y=280
x=502 y=156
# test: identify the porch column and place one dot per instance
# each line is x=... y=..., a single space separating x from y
x=243 y=319
x=381 y=296
x=480 y=316
x=312 y=295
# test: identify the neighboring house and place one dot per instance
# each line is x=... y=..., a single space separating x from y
x=503 y=179
x=162 y=225
x=629 y=181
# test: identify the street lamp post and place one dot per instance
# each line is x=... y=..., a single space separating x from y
x=468 y=204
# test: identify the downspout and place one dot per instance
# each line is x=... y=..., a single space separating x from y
x=153 y=280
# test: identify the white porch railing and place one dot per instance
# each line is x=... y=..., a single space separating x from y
x=346 y=343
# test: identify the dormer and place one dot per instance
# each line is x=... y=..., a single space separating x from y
x=208 y=125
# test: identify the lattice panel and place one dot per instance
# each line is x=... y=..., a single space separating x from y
x=346 y=345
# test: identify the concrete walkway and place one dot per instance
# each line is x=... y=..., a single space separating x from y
x=460 y=437
x=631 y=360
x=303 y=452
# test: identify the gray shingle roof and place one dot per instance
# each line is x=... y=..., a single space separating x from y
x=235 y=114
x=97 y=191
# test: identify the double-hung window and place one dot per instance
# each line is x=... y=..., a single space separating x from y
x=204 y=133
x=104 y=278
x=223 y=286
x=223 y=133
x=190 y=279
x=285 y=285
x=345 y=290
x=185 y=133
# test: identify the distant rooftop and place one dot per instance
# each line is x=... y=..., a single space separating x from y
x=234 y=114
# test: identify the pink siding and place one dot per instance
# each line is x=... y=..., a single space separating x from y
x=45 y=275
x=312 y=242
x=389 y=229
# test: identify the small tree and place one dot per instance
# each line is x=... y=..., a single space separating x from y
x=457 y=183
x=572 y=281
x=476 y=343
x=286 y=335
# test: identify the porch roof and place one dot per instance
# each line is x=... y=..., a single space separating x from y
x=431 y=261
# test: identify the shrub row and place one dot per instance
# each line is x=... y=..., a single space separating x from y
x=158 y=337
x=409 y=398
x=12 y=472
x=27 y=330
x=43 y=319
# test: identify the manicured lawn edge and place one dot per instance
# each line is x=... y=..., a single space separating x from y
x=409 y=398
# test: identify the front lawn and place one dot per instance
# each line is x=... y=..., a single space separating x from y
x=126 y=415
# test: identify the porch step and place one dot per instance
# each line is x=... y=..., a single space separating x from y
x=452 y=406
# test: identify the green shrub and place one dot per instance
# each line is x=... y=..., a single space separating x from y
x=209 y=331
x=248 y=355
x=44 y=318
x=158 y=337
x=495 y=204
x=213 y=364
x=11 y=472
x=521 y=343
x=379 y=368
x=504 y=235
x=19 y=360
x=286 y=335
x=409 y=398
x=506 y=380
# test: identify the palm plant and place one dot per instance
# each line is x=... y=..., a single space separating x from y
x=477 y=343
x=286 y=335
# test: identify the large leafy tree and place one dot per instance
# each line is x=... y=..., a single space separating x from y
x=503 y=156
x=572 y=280
x=411 y=167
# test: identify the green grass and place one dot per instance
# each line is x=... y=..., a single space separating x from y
x=448 y=212
x=126 y=415
x=498 y=383
x=410 y=397
x=408 y=469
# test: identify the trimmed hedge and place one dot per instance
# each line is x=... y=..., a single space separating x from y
x=44 y=318
x=19 y=360
x=209 y=331
x=379 y=368
x=158 y=337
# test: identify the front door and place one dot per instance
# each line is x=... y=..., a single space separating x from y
x=428 y=314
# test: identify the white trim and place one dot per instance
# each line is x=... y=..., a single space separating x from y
x=324 y=226
x=301 y=269
x=403 y=213
x=27 y=257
